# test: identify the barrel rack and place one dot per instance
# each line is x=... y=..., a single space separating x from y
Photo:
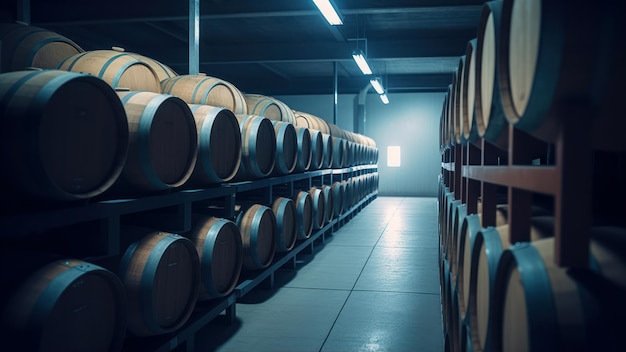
x=172 y=212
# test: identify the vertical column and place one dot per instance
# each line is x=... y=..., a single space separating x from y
x=23 y=11
x=194 y=37
x=335 y=97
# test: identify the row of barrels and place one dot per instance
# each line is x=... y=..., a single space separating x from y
x=502 y=296
x=538 y=65
x=70 y=136
x=61 y=304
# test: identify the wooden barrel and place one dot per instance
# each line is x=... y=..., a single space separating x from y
x=64 y=135
x=338 y=152
x=304 y=211
x=562 y=58
x=258 y=150
x=161 y=273
x=51 y=304
x=538 y=306
x=458 y=107
x=327 y=141
x=311 y=121
x=329 y=206
x=347 y=194
x=488 y=247
x=219 y=145
x=29 y=46
x=468 y=94
x=257 y=225
x=219 y=247
x=269 y=107
x=163 y=142
x=286 y=221
x=490 y=119
x=304 y=149
x=319 y=211
x=467 y=235
x=202 y=89
x=118 y=69
x=338 y=195
x=286 y=148
x=451 y=210
x=459 y=213
x=317 y=150
x=450 y=113
x=162 y=71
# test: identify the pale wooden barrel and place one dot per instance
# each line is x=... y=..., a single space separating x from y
x=538 y=306
x=118 y=69
x=269 y=107
x=467 y=235
x=319 y=211
x=219 y=145
x=317 y=150
x=450 y=139
x=286 y=148
x=257 y=225
x=304 y=210
x=162 y=70
x=327 y=141
x=64 y=135
x=220 y=250
x=29 y=46
x=163 y=142
x=202 y=89
x=337 y=191
x=161 y=273
x=46 y=307
x=329 y=206
x=563 y=55
x=287 y=222
x=490 y=119
x=311 y=122
x=457 y=107
x=258 y=150
x=304 y=149
x=488 y=247
x=468 y=94
x=339 y=145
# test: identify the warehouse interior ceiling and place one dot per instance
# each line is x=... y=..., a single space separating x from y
x=278 y=47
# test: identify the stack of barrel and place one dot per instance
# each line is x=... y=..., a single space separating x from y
x=106 y=124
x=549 y=71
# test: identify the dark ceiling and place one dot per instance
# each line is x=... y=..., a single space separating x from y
x=276 y=47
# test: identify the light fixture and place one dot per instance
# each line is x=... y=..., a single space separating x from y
x=384 y=98
x=328 y=9
x=359 y=58
x=377 y=86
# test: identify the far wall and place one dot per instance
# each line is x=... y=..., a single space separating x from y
x=411 y=121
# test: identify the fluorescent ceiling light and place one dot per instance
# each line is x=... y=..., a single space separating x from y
x=358 y=57
x=327 y=9
x=384 y=98
x=377 y=86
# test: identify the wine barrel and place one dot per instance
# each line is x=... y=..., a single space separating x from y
x=26 y=46
x=50 y=305
x=64 y=135
x=287 y=221
x=451 y=140
x=163 y=142
x=317 y=150
x=338 y=152
x=468 y=94
x=118 y=69
x=329 y=206
x=327 y=141
x=257 y=225
x=539 y=306
x=258 y=148
x=465 y=243
x=490 y=119
x=311 y=122
x=304 y=210
x=304 y=149
x=457 y=107
x=488 y=247
x=338 y=195
x=562 y=58
x=202 y=89
x=286 y=148
x=219 y=145
x=269 y=107
x=161 y=273
x=162 y=71
x=219 y=247
x=319 y=211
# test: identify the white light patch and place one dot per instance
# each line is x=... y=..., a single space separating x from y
x=393 y=156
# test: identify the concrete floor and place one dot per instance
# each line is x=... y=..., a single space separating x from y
x=372 y=286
